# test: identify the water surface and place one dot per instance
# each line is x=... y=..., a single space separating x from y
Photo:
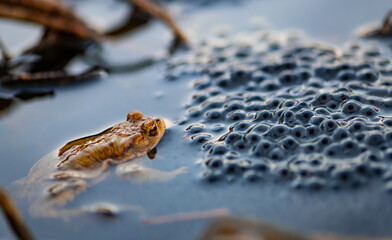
x=31 y=130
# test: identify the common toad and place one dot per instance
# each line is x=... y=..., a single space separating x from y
x=82 y=162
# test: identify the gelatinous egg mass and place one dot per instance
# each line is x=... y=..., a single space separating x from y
x=275 y=107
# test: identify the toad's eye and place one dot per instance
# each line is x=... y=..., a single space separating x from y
x=153 y=130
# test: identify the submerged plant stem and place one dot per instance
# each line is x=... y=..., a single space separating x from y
x=13 y=216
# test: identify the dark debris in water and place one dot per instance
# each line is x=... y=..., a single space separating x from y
x=23 y=95
x=383 y=31
x=270 y=105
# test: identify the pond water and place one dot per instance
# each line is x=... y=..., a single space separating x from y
x=32 y=129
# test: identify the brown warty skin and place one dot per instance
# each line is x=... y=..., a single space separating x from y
x=132 y=138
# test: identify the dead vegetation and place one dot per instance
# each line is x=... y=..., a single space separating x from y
x=14 y=218
x=65 y=37
x=379 y=31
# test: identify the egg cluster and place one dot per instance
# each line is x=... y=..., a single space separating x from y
x=274 y=106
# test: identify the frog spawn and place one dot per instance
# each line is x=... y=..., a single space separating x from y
x=274 y=106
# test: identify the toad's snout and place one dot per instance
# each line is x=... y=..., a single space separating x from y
x=161 y=124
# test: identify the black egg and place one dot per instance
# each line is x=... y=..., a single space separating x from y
x=328 y=126
x=262 y=148
x=388 y=155
x=289 y=144
x=211 y=176
x=264 y=115
x=260 y=128
x=317 y=120
x=388 y=123
x=240 y=145
x=255 y=106
x=260 y=166
x=351 y=108
x=218 y=150
x=324 y=141
x=334 y=150
x=269 y=86
x=340 y=134
x=305 y=116
x=289 y=103
x=289 y=116
x=375 y=139
x=276 y=154
x=288 y=78
x=252 y=138
x=326 y=73
x=368 y=75
x=195 y=128
x=233 y=106
x=299 y=132
x=252 y=176
x=232 y=137
x=309 y=148
x=278 y=131
x=241 y=126
x=346 y=75
x=215 y=163
x=258 y=76
x=223 y=82
x=322 y=99
x=312 y=131
x=200 y=138
x=388 y=137
x=368 y=112
x=233 y=169
x=350 y=148
x=236 y=115
x=357 y=127
x=213 y=115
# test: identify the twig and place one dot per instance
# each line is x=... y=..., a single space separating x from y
x=13 y=217
x=135 y=20
x=386 y=26
x=161 y=14
x=385 y=30
x=49 y=78
x=222 y=212
x=51 y=14
x=6 y=56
